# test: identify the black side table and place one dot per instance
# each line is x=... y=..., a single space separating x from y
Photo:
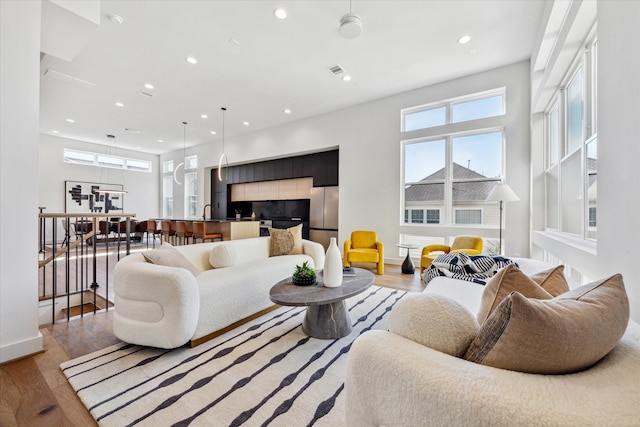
x=407 y=265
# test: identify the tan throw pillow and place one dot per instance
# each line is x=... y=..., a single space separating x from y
x=286 y=242
x=169 y=256
x=222 y=256
x=552 y=280
x=282 y=242
x=297 y=239
x=566 y=334
x=505 y=281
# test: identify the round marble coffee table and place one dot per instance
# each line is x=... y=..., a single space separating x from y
x=327 y=316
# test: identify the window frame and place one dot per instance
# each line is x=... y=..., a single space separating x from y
x=89 y=158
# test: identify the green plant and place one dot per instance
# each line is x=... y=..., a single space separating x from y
x=304 y=270
x=238 y=211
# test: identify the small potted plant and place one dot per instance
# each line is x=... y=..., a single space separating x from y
x=304 y=275
x=238 y=213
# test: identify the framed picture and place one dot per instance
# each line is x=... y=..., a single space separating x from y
x=92 y=197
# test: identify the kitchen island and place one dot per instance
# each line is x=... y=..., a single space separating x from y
x=230 y=229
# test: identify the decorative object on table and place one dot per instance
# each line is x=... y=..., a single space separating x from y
x=407 y=265
x=304 y=275
x=348 y=271
x=238 y=213
x=502 y=193
x=332 y=273
x=253 y=216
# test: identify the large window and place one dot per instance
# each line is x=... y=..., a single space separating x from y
x=453 y=175
x=167 y=189
x=571 y=146
x=191 y=186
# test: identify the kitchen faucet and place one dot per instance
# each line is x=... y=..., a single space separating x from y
x=204 y=211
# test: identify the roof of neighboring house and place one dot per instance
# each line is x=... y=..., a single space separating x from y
x=428 y=191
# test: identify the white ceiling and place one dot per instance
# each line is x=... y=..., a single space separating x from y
x=275 y=64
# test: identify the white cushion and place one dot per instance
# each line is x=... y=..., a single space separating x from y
x=223 y=256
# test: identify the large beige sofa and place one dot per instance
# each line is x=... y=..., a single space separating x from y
x=395 y=381
x=166 y=306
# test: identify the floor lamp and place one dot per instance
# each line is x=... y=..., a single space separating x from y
x=501 y=193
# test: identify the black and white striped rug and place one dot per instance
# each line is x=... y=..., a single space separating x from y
x=266 y=372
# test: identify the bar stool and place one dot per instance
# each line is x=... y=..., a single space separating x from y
x=200 y=231
x=151 y=228
x=182 y=231
x=167 y=231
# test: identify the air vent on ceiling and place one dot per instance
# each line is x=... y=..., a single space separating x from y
x=336 y=70
x=69 y=79
x=145 y=93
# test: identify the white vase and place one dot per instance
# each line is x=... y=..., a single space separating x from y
x=332 y=273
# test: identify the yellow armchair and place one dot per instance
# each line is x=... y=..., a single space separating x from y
x=471 y=245
x=364 y=247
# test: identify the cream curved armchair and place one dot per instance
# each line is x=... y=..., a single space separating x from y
x=471 y=245
x=364 y=247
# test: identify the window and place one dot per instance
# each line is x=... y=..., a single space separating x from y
x=572 y=154
x=457 y=183
x=190 y=186
x=468 y=216
x=472 y=107
x=105 y=160
x=167 y=189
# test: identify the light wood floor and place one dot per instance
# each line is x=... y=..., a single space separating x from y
x=34 y=392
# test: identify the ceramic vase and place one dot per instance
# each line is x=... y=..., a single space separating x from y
x=332 y=273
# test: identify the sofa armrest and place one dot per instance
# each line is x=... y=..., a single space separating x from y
x=155 y=305
x=314 y=250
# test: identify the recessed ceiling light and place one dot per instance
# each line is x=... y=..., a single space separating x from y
x=161 y=140
x=346 y=78
x=119 y=104
x=191 y=60
x=213 y=132
x=245 y=123
x=54 y=131
x=71 y=121
x=204 y=116
x=280 y=13
x=287 y=111
x=464 y=39
x=148 y=85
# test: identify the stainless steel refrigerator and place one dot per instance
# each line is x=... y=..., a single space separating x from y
x=323 y=215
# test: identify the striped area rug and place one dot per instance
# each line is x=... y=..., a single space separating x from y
x=266 y=372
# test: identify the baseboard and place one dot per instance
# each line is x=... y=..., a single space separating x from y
x=21 y=349
x=217 y=333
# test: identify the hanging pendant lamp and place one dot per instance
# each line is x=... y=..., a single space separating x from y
x=224 y=162
x=184 y=153
x=111 y=145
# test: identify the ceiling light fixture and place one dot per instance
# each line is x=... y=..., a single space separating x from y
x=287 y=111
x=191 y=60
x=54 y=131
x=148 y=85
x=350 y=25
x=223 y=156
x=464 y=39
x=204 y=116
x=346 y=78
x=111 y=146
x=280 y=13
x=213 y=132
x=116 y=19
x=184 y=154
x=246 y=123
x=70 y=121
x=119 y=104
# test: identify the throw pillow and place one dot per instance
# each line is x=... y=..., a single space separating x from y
x=222 y=256
x=169 y=256
x=297 y=239
x=552 y=280
x=282 y=242
x=434 y=321
x=505 y=281
x=562 y=335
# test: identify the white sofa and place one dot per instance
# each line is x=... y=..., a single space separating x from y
x=395 y=381
x=162 y=306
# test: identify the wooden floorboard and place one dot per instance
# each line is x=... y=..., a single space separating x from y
x=35 y=392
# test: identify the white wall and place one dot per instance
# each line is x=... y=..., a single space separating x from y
x=368 y=137
x=19 y=117
x=143 y=189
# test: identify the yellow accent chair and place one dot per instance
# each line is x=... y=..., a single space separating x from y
x=471 y=245
x=364 y=247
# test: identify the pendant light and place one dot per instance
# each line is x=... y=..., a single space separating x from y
x=184 y=153
x=111 y=146
x=350 y=25
x=223 y=156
